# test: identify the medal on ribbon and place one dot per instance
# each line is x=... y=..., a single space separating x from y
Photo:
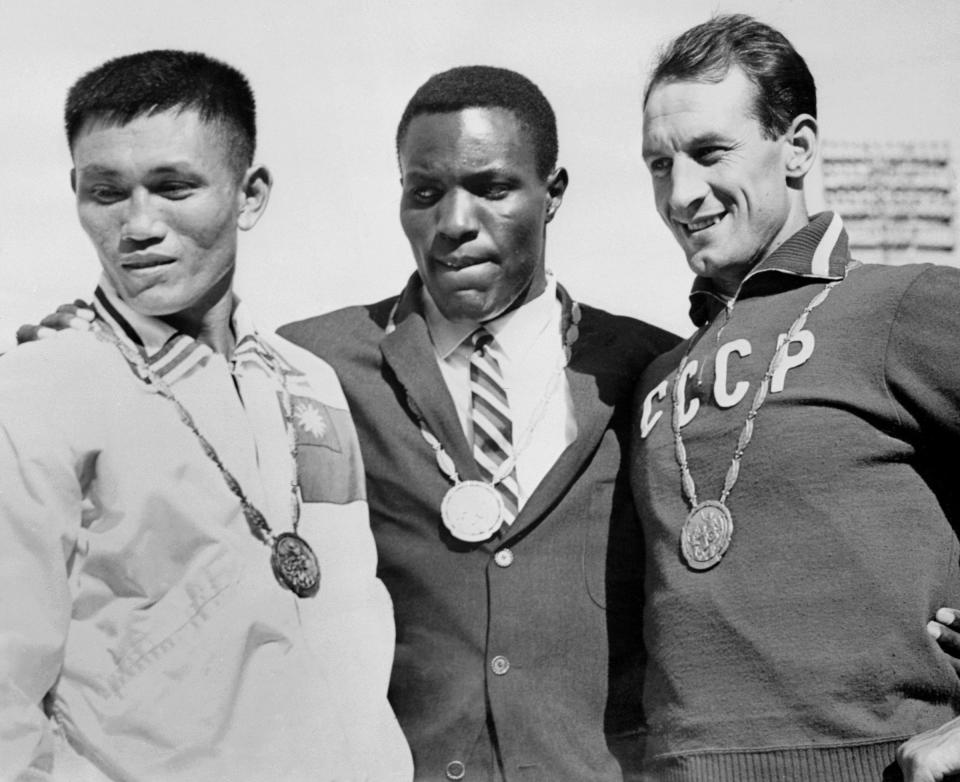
x=708 y=529
x=295 y=565
x=472 y=511
x=706 y=534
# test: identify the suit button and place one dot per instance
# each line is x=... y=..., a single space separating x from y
x=504 y=557
x=456 y=770
x=499 y=665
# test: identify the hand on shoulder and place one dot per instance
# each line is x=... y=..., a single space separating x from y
x=78 y=316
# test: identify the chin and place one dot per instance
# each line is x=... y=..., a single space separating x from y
x=157 y=306
x=470 y=306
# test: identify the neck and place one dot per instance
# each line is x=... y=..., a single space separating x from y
x=798 y=219
x=209 y=321
x=538 y=284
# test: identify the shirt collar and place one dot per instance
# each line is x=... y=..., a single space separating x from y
x=818 y=251
x=514 y=331
x=167 y=351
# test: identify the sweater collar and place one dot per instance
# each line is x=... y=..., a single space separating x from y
x=818 y=251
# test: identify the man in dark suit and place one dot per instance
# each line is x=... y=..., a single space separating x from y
x=518 y=629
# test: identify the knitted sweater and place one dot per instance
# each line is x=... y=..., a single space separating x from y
x=802 y=654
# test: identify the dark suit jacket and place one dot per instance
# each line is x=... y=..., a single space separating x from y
x=561 y=617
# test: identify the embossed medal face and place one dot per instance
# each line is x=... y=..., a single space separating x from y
x=472 y=511
x=706 y=534
x=295 y=565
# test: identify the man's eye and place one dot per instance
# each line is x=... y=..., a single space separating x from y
x=425 y=195
x=496 y=190
x=174 y=190
x=659 y=166
x=105 y=194
x=710 y=155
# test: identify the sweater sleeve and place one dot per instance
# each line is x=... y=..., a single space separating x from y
x=922 y=365
x=39 y=509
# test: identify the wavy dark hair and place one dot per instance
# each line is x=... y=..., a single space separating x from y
x=785 y=86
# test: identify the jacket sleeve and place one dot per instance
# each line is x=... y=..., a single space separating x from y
x=922 y=365
x=39 y=511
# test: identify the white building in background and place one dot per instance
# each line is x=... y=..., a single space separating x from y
x=897 y=199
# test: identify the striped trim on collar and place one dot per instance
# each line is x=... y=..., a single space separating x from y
x=172 y=354
x=819 y=250
x=166 y=351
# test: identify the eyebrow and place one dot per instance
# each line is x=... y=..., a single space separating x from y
x=167 y=168
x=97 y=170
x=704 y=139
x=712 y=137
x=490 y=170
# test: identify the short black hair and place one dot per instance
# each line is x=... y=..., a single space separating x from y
x=785 y=86
x=483 y=86
x=151 y=82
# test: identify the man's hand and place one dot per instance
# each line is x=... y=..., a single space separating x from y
x=945 y=627
x=932 y=756
x=78 y=315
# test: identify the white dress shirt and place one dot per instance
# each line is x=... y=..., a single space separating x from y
x=528 y=346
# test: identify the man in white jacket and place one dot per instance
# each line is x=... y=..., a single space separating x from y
x=187 y=578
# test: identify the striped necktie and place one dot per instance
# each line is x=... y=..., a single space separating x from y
x=492 y=427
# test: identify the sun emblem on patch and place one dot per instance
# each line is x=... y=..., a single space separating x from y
x=310 y=419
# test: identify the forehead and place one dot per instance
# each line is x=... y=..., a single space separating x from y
x=684 y=109
x=165 y=139
x=473 y=138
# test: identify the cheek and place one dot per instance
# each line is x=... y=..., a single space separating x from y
x=661 y=194
x=414 y=226
x=94 y=221
x=103 y=234
x=204 y=228
x=517 y=233
x=419 y=228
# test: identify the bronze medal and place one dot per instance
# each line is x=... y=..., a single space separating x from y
x=295 y=565
x=472 y=511
x=706 y=534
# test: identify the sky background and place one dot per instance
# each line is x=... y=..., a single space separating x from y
x=332 y=79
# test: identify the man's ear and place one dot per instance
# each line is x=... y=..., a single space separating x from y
x=254 y=194
x=73 y=179
x=556 y=186
x=803 y=141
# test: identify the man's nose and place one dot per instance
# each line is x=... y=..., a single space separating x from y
x=457 y=217
x=687 y=186
x=141 y=221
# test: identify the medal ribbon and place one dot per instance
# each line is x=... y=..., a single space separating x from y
x=294 y=563
x=687 y=483
x=570 y=329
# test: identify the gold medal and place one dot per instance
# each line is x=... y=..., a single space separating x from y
x=706 y=534
x=295 y=565
x=472 y=511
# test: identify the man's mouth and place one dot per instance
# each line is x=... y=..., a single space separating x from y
x=141 y=262
x=701 y=223
x=459 y=262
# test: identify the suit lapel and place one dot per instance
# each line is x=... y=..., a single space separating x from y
x=409 y=353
